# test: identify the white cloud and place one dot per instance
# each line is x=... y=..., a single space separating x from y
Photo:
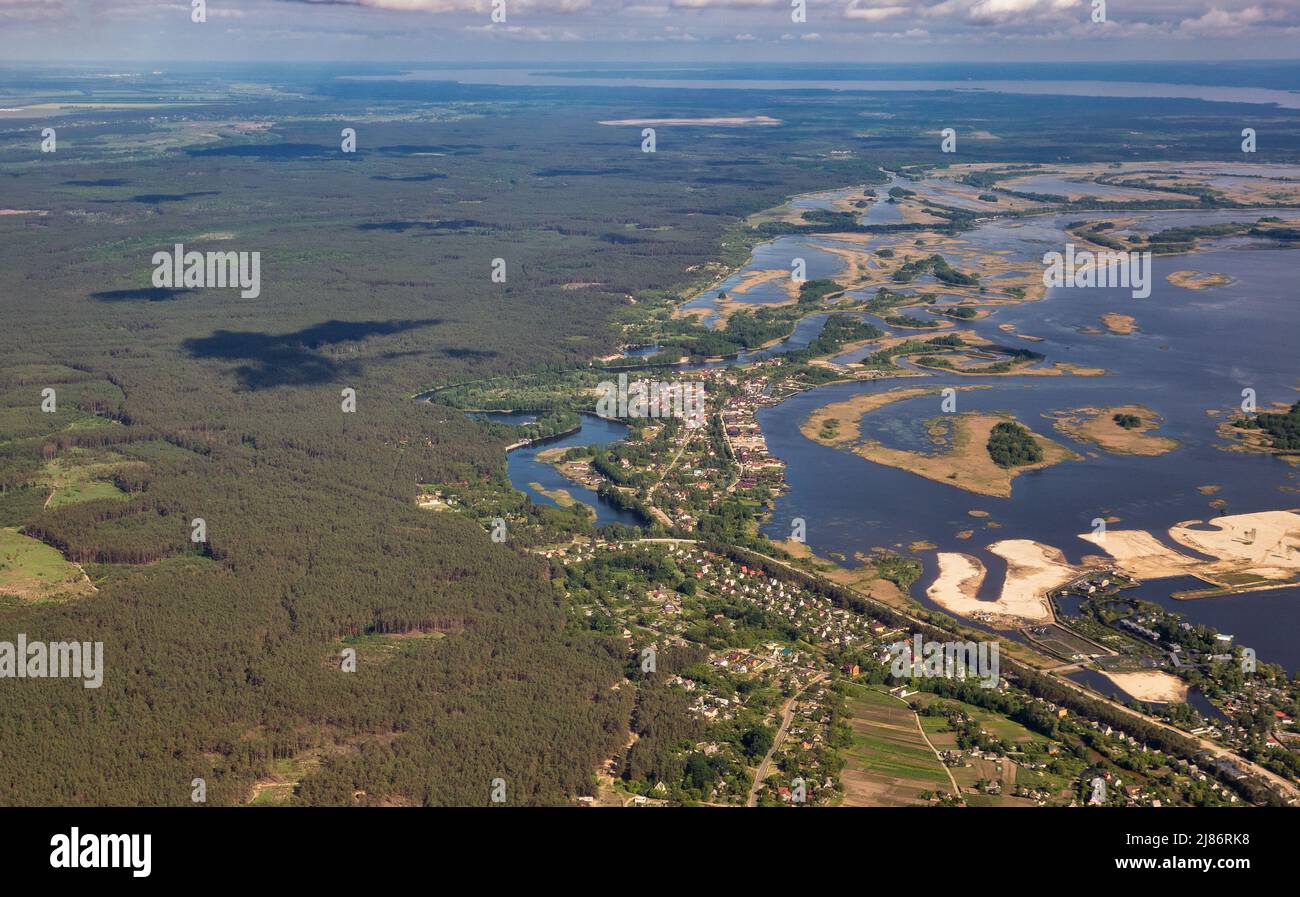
x=441 y=6
x=875 y=11
x=712 y=4
x=522 y=32
x=988 y=29
x=998 y=12
x=32 y=9
x=1221 y=21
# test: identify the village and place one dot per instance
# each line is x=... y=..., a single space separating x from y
x=766 y=720
x=777 y=656
x=1227 y=703
x=768 y=642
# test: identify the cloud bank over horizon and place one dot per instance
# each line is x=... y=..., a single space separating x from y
x=893 y=31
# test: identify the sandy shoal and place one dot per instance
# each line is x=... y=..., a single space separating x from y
x=1266 y=542
x=1032 y=569
x=1141 y=555
x=1151 y=685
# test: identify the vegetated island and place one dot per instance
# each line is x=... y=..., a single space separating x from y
x=562 y=497
x=1011 y=445
x=836 y=424
x=1123 y=429
x=1269 y=432
x=968 y=461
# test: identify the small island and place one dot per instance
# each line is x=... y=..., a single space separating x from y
x=1122 y=430
x=1198 y=280
x=1274 y=432
x=562 y=497
x=971 y=457
x=1122 y=325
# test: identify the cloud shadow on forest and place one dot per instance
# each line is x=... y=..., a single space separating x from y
x=140 y=294
x=294 y=359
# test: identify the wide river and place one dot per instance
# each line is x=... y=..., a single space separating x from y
x=1193 y=351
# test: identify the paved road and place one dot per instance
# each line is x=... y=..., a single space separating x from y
x=787 y=714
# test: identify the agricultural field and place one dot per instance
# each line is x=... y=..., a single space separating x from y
x=1007 y=770
x=889 y=762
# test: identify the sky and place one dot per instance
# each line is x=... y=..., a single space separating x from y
x=648 y=31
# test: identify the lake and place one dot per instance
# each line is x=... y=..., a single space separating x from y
x=1193 y=351
x=524 y=469
x=521 y=77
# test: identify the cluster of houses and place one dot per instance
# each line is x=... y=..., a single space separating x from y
x=1261 y=699
x=813 y=614
x=1132 y=793
x=1255 y=699
x=664 y=614
x=1115 y=791
x=806 y=755
x=745 y=437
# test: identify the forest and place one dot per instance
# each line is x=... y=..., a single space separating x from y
x=223 y=656
x=1283 y=429
x=1011 y=445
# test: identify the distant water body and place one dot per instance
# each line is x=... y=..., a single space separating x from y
x=527 y=78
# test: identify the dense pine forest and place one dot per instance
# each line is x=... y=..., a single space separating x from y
x=223 y=656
